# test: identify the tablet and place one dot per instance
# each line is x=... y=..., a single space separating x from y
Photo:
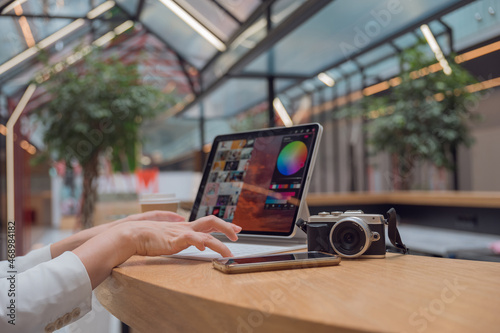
x=259 y=179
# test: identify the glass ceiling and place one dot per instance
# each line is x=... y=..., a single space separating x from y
x=347 y=40
x=196 y=30
x=339 y=31
x=22 y=34
x=222 y=54
x=235 y=28
x=221 y=18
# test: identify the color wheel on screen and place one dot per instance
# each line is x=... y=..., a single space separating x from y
x=292 y=158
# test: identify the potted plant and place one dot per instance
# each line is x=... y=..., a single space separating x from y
x=424 y=117
x=96 y=109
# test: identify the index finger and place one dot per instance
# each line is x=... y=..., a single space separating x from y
x=219 y=247
x=202 y=240
x=212 y=223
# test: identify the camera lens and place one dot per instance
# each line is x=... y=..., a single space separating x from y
x=350 y=237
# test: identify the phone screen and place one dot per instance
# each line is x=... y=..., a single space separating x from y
x=278 y=257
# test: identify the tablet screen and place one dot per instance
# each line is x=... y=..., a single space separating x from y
x=257 y=179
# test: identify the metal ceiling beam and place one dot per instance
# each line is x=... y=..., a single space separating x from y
x=390 y=38
x=270 y=102
x=225 y=10
x=24 y=65
x=257 y=13
x=396 y=48
x=4 y=4
x=396 y=53
x=261 y=10
x=122 y=56
x=201 y=24
x=293 y=21
x=186 y=74
x=271 y=90
x=360 y=68
x=138 y=12
x=66 y=17
x=182 y=61
x=161 y=39
x=267 y=75
x=449 y=30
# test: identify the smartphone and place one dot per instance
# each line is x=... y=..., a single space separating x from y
x=275 y=262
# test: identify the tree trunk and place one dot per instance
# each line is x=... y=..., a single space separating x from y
x=406 y=169
x=454 y=169
x=89 y=195
x=402 y=168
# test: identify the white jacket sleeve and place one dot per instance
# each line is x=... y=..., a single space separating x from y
x=23 y=263
x=45 y=297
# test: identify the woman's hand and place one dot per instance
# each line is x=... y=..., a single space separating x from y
x=150 y=238
x=72 y=242
x=153 y=239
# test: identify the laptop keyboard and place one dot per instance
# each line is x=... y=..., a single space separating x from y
x=238 y=250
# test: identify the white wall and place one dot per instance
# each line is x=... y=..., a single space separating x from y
x=184 y=184
x=485 y=160
x=479 y=165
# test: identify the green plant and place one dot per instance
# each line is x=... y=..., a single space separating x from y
x=425 y=117
x=96 y=109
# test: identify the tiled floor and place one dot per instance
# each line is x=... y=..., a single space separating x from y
x=41 y=236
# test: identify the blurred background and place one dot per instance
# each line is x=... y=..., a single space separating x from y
x=103 y=101
x=407 y=93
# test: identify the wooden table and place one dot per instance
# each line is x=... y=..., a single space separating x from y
x=457 y=210
x=397 y=294
x=419 y=198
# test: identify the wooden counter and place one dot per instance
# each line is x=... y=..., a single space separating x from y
x=396 y=294
x=421 y=198
x=465 y=211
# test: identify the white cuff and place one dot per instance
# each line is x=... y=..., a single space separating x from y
x=26 y=262
x=49 y=295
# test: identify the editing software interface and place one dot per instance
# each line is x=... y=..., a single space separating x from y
x=288 y=172
x=257 y=182
x=225 y=180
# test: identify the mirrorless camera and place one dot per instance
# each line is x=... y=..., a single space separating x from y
x=351 y=234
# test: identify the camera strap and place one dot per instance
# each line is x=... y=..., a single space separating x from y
x=394 y=236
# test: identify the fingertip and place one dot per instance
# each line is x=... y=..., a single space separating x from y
x=225 y=252
x=219 y=247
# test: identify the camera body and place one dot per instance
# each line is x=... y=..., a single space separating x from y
x=350 y=234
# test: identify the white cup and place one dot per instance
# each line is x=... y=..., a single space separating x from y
x=159 y=201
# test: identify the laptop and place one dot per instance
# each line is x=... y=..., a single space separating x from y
x=259 y=181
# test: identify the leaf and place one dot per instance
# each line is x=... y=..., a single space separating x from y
x=96 y=105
